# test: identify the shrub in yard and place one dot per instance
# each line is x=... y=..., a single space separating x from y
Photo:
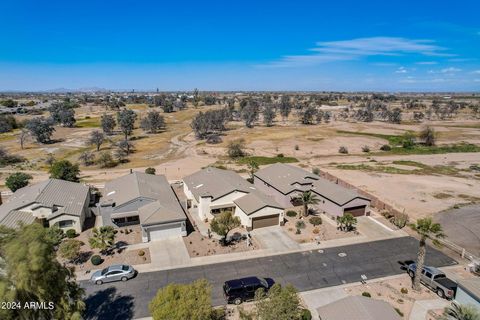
x=366 y=149
x=71 y=233
x=305 y=314
x=366 y=294
x=96 y=260
x=141 y=253
x=385 y=147
x=291 y=213
x=300 y=225
x=400 y=220
x=298 y=231
x=315 y=221
x=316 y=230
x=404 y=290
x=343 y=150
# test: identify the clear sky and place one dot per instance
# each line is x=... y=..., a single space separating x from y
x=340 y=45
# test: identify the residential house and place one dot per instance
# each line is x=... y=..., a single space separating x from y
x=53 y=202
x=211 y=191
x=285 y=182
x=144 y=199
x=358 y=308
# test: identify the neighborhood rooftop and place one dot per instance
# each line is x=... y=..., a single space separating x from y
x=255 y=201
x=358 y=308
x=213 y=182
x=286 y=178
x=67 y=197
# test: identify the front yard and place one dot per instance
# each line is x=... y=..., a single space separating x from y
x=200 y=246
x=327 y=230
x=119 y=255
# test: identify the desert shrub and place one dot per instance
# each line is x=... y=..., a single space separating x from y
x=298 y=231
x=400 y=220
x=400 y=313
x=366 y=149
x=150 y=170
x=315 y=221
x=96 y=260
x=300 y=225
x=71 y=233
x=343 y=150
x=280 y=155
x=316 y=171
x=387 y=214
x=236 y=148
x=316 y=230
x=404 y=290
x=385 y=147
x=141 y=253
x=297 y=147
x=291 y=213
x=366 y=294
x=305 y=314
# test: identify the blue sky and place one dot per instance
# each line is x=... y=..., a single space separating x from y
x=240 y=45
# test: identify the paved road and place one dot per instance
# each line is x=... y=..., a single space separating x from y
x=305 y=270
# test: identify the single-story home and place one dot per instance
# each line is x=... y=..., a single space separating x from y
x=145 y=199
x=468 y=292
x=285 y=182
x=212 y=191
x=358 y=308
x=55 y=202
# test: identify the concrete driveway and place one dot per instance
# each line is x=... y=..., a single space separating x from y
x=274 y=238
x=168 y=252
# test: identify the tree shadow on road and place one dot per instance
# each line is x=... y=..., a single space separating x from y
x=107 y=304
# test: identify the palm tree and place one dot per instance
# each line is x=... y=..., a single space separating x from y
x=307 y=198
x=426 y=229
x=252 y=167
x=347 y=222
x=460 y=312
x=102 y=238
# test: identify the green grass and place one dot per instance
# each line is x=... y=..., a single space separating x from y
x=419 y=149
x=267 y=160
x=422 y=169
x=88 y=123
x=377 y=168
x=393 y=140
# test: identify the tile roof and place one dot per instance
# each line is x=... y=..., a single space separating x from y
x=255 y=201
x=358 y=308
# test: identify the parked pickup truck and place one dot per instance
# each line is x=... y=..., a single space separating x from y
x=436 y=280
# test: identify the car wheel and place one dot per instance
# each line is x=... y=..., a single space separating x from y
x=98 y=282
x=124 y=279
x=440 y=293
x=411 y=274
x=237 y=301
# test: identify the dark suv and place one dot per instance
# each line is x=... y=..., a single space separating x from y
x=239 y=290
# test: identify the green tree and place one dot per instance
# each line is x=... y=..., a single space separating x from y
x=428 y=136
x=279 y=303
x=268 y=115
x=252 y=168
x=41 y=129
x=96 y=139
x=224 y=223
x=408 y=140
x=34 y=275
x=153 y=122
x=70 y=249
x=126 y=121
x=183 y=301
x=55 y=235
x=307 y=198
x=458 y=311
x=17 y=180
x=64 y=170
x=426 y=229
x=103 y=238
x=235 y=148
x=108 y=124
x=347 y=222
x=150 y=170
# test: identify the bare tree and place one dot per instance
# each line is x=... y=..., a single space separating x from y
x=96 y=139
x=23 y=136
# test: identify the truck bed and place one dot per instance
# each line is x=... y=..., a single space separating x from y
x=447 y=283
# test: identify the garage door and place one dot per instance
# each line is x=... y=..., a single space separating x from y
x=163 y=232
x=355 y=211
x=266 y=221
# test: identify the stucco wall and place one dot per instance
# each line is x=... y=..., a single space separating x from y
x=206 y=203
x=77 y=222
x=267 y=211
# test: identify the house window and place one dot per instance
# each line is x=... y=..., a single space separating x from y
x=133 y=219
x=65 y=223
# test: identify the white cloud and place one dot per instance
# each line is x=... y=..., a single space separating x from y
x=427 y=63
x=343 y=50
x=476 y=80
x=450 y=70
x=401 y=70
x=476 y=72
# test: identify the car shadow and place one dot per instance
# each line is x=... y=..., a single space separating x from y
x=108 y=304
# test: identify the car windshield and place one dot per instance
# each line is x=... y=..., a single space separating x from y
x=226 y=288
x=440 y=276
x=264 y=282
x=125 y=267
x=104 y=271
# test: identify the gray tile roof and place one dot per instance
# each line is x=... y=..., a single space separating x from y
x=255 y=201
x=215 y=183
x=358 y=308
x=14 y=217
x=164 y=207
x=69 y=197
x=286 y=179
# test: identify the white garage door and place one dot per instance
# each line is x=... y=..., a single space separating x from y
x=163 y=232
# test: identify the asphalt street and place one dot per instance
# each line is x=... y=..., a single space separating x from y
x=305 y=270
